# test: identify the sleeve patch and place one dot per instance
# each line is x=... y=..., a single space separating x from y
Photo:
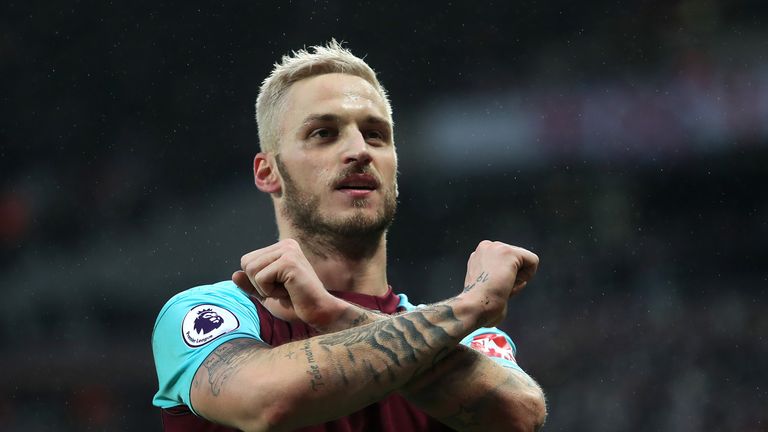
x=493 y=345
x=205 y=322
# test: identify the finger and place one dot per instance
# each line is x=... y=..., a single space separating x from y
x=282 y=245
x=529 y=266
x=257 y=289
x=259 y=260
x=244 y=283
x=268 y=250
x=241 y=280
x=257 y=263
x=268 y=282
x=272 y=279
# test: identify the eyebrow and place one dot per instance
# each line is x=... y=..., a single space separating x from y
x=371 y=119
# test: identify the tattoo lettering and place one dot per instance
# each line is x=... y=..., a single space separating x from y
x=316 y=380
x=226 y=360
x=480 y=279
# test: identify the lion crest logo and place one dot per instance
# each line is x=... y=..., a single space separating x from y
x=207 y=321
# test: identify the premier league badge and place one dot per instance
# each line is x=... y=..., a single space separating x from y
x=205 y=323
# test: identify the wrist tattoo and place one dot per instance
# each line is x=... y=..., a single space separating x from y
x=480 y=279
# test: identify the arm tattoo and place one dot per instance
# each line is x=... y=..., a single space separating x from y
x=225 y=360
x=480 y=279
x=363 y=318
x=400 y=340
x=316 y=378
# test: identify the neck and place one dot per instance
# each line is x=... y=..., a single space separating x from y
x=346 y=264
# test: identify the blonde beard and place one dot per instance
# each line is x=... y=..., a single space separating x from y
x=356 y=233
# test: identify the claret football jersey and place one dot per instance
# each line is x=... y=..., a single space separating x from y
x=195 y=322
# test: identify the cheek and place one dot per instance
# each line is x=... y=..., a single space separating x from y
x=389 y=167
x=323 y=175
x=309 y=174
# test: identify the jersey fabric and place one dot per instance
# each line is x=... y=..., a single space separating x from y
x=195 y=322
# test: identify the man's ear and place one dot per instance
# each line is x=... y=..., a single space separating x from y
x=265 y=173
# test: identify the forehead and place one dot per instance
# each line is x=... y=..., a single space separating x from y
x=333 y=93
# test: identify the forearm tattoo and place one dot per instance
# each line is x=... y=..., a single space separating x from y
x=397 y=342
x=316 y=378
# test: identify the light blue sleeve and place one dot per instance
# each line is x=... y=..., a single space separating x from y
x=189 y=327
x=491 y=341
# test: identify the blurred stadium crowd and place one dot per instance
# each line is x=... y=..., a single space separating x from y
x=624 y=142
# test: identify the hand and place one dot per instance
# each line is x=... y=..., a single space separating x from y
x=281 y=278
x=495 y=272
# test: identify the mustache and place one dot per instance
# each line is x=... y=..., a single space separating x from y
x=356 y=169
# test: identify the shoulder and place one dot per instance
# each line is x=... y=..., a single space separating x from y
x=205 y=312
x=224 y=291
x=189 y=327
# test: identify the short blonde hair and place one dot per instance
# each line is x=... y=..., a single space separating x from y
x=323 y=59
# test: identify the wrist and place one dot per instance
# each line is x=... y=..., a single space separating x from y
x=484 y=309
x=466 y=310
x=326 y=311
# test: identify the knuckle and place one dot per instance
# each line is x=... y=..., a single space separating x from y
x=250 y=269
x=290 y=243
x=287 y=260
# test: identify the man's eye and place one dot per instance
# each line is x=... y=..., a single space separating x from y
x=323 y=133
x=374 y=134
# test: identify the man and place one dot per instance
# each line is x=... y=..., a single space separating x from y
x=308 y=335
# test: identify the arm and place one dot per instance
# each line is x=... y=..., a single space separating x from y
x=470 y=392
x=465 y=389
x=253 y=387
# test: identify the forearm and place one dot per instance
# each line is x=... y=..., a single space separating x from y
x=470 y=392
x=466 y=390
x=352 y=368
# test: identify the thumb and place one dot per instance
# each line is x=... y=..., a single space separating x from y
x=241 y=280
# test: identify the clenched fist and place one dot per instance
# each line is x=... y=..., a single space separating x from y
x=282 y=279
x=495 y=272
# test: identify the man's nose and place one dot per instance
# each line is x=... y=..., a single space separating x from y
x=356 y=150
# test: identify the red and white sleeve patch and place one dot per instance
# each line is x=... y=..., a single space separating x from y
x=493 y=345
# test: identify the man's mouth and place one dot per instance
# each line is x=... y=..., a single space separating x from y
x=358 y=182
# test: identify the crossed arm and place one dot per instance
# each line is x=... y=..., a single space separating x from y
x=254 y=387
x=465 y=389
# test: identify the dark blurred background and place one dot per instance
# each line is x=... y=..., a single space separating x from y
x=625 y=142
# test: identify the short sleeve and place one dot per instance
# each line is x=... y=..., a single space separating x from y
x=405 y=304
x=494 y=343
x=189 y=327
